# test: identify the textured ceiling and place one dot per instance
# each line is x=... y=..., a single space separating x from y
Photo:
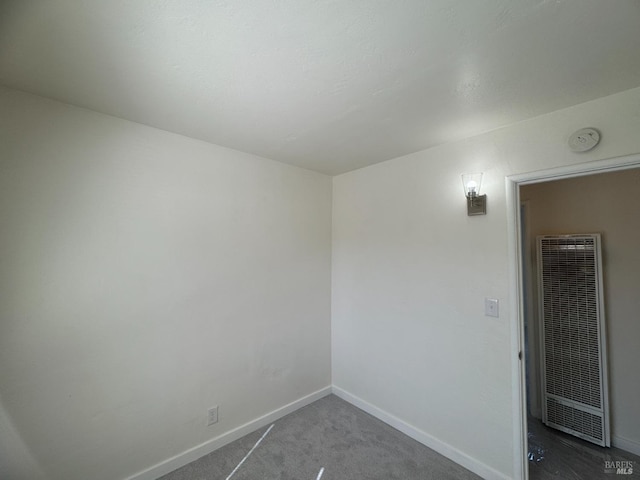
x=330 y=85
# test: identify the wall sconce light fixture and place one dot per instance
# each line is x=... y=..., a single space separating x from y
x=476 y=203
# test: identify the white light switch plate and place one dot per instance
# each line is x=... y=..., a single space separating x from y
x=491 y=307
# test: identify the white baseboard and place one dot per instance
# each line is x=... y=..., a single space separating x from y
x=439 y=446
x=188 y=456
x=625 y=444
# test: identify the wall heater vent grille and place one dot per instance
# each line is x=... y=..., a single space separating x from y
x=572 y=322
x=575 y=419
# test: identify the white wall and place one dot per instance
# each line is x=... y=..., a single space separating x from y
x=144 y=277
x=411 y=271
x=606 y=204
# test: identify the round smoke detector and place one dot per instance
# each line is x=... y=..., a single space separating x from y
x=584 y=140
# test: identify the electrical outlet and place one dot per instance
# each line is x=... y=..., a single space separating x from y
x=212 y=415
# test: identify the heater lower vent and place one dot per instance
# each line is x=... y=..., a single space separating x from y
x=574 y=420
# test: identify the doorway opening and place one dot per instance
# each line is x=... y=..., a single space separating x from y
x=521 y=292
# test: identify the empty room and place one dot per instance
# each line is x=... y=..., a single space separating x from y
x=314 y=239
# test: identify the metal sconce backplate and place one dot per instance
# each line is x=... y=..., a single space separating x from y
x=477 y=205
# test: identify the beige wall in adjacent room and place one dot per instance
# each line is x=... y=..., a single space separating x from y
x=607 y=204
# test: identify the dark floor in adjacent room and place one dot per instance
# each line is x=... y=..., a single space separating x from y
x=329 y=439
x=557 y=455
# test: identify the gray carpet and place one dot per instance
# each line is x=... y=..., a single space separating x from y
x=331 y=434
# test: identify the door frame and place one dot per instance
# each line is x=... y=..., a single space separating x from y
x=518 y=378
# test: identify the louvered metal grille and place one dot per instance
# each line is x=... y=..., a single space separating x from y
x=575 y=419
x=571 y=321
